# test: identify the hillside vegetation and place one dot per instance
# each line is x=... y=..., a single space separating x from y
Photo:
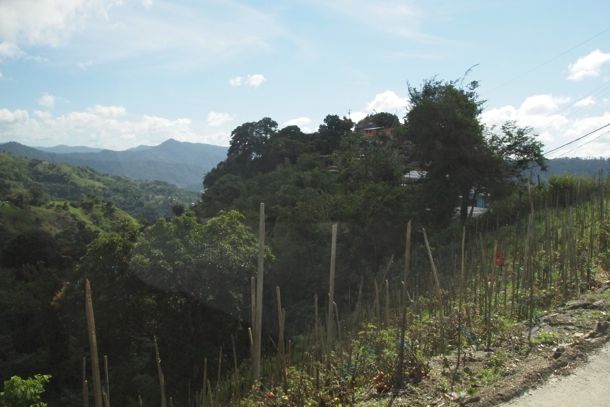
x=179 y=163
x=35 y=182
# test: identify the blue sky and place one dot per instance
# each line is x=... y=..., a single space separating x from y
x=119 y=73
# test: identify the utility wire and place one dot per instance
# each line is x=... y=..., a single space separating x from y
x=553 y=59
x=583 y=144
x=576 y=139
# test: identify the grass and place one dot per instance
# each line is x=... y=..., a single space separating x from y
x=546 y=338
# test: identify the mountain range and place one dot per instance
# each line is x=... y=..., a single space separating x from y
x=180 y=163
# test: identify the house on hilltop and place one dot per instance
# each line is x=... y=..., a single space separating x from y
x=378 y=124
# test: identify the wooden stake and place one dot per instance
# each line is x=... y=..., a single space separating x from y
x=204 y=386
x=107 y=381
x=331 y=290
x=160 y=373
x=85 y=384
x=258 y=326
x=407 y=270
x=95 y=365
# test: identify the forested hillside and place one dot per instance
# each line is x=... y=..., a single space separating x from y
x=178 y=163
x=36 y=182
x=61 y=224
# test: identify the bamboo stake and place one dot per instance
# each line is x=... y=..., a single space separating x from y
x=433 y=266
x=281 y=314
x=407 y=269
x=235 y=395
x=439 y=293
x=258 y=326
x=107 y=381
x=85 y=384
x=387 y=302
x=140 y=401
x=460 y=300
x=95 y=366
x=403 y=319
x=234 y=353
x=219 y=369
x=160 y=373
x=204 y=385
x=280 y=323
x=331 y=290
x=252 y=301
x=316 y=329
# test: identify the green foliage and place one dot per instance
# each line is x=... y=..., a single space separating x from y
x=449 y=144
x=211 y=262
x=35 y=183
x=20 y=392
x=546 y=338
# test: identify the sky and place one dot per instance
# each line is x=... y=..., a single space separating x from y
x=121 y=73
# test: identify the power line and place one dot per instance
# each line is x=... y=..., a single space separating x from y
x=553 y=59
x=583 y=144
x=577 y=139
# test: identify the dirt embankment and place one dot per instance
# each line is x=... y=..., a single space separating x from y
x=562 y=341
x=586 y=386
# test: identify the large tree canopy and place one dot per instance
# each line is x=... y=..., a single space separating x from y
x=449 y=143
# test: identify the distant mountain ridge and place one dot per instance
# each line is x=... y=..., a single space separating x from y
x=180 y=163
x=64 y=149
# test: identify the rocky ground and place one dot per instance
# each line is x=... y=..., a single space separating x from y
x=563 y=338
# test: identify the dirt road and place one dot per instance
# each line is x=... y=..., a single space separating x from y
x=587 y=386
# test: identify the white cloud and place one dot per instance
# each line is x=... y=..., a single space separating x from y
x=216 y=119
x=357 y=116
x=387 y=101
x=47 y=101
x=7 y=116
x=99 y=126
x=542 y=104
x=391 y=16
x=108 y=111
x=253 y=81
x=43 y=114
x=585 y=102
x=538 y=111
x=1 y=75
x=236 y=81
x=46 y=22
x=588 y=66
x=555 y=127
x=177 y=36
x=8 y=50
x=83 y=66
x=306 y=124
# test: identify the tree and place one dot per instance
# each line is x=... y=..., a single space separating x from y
x=332 y=132
x=210 y=262
x=517 y=148
x=20 y=392
x=248 y=144
x=448 y=139
x=248 y=140
x=450 y=144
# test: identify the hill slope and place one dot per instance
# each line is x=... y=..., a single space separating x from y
x=34 y=182
x=179 y=163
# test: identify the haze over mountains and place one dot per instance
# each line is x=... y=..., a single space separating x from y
x=180 y=163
